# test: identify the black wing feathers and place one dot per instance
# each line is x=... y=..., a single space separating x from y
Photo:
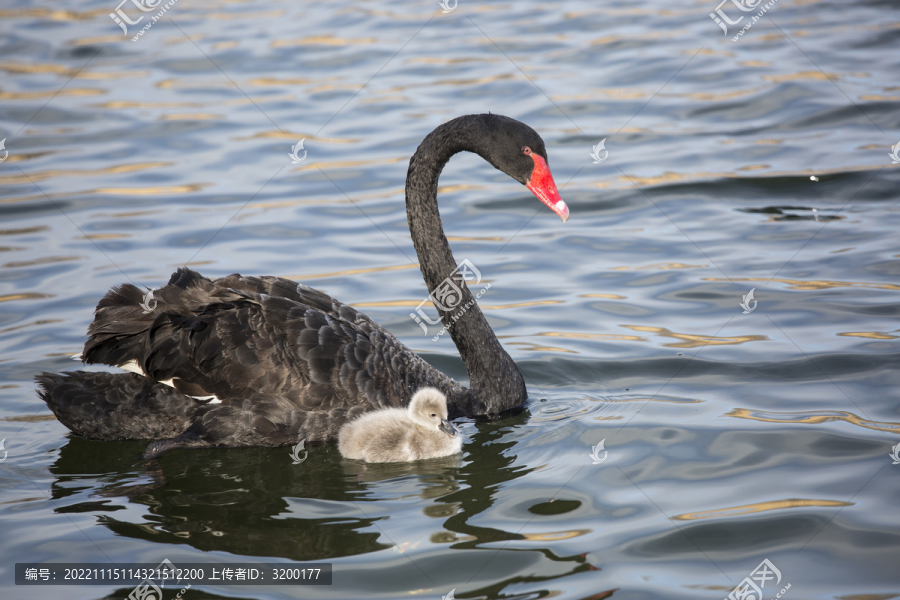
x=288 y=362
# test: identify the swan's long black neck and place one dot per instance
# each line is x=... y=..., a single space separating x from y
x=496 y=383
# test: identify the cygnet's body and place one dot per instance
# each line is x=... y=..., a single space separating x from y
x=397 y=435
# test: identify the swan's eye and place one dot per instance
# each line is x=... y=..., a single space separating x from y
x=526 y=150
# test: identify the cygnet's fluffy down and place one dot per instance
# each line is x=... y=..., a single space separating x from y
x=397 y=435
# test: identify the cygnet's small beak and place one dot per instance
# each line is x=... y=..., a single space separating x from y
x=448 y=428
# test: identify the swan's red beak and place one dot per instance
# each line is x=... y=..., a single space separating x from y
x=542 y=185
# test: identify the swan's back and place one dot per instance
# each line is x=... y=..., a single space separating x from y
x=280 y=361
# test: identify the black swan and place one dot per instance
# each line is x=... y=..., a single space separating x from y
x=265 y=361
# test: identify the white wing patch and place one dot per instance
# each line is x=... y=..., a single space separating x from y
x=209 y=399
x=132 y=367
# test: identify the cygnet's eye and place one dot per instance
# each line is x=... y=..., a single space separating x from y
x=433 y=415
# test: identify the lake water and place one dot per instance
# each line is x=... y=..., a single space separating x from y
x=729 y=436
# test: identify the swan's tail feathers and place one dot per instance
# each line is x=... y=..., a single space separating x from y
x=125 y=315
x=121 y=319
x=116 y=406
x=185 y=278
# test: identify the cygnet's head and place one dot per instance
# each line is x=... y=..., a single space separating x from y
x=428 y=407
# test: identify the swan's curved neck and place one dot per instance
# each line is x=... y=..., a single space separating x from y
x=495 y=381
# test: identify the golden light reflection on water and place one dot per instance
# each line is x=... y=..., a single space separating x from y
x=260 y=14
x=760 y=507
x=392 y=303
x=872 y=335
x=357 y=198
x=353 y=272
x=415 y=303
x=551 y=536
x=37 y=323
x=810 y=76
x=333 y=87
x=519 y=304
x=163 y=190
x=192 y=84
x=612 y=93
x=12 y=67
x=806 y=285
x=50 y=94
x=592 y=336
x=460 y=82
x=378 y=99
x=42 y=175
x=530 y=347
x=123 y=104
x=697 y=341
x=190 y=117
x=24 y=296
x=52 y=14
x=630 y=180
x=106 y=236
x=322 y=40
x=261 y=81
x=474 y=238
x=287 y=135
x=655 y=35
x=97 y=39
x=812 y=417
x=25 y=156
x=718 y=97
x=430 y=60
x=879 y=98
x=39 y=68
x=44 y=260
x=659 y=266
x=24 y=230
x=154 y=191
x=447 y=189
